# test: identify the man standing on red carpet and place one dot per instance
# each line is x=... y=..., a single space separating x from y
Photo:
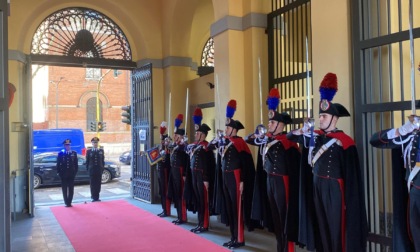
x=95 y=162
x=67 y=167
x=163 y=168
x=179 y=162
x=202 y=170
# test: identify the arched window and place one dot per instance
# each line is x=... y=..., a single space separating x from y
x=91 y=112
x=84 y=36
x=207 y=59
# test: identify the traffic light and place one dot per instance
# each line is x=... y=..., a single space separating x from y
x=93 y=126
x=101 y=126
x=126 y=114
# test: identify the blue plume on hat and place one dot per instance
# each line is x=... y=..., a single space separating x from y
x=197 y=116
x=273 y=99
x=178 y=120
x=231 y=108
x=328 y=87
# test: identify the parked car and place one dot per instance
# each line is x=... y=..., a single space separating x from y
x=45 y=170
x=125 y=157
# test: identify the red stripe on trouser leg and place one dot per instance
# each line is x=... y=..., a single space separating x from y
x=290 y=245
x=343 y=215
x=206 y=208
x=239 y=205
x=286 y=188
x=183 y=202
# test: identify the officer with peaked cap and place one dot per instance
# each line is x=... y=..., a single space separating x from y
x=338 y=190
x=202 y=172
x=280 y=160
x=95 y=164
x=179 y=164
x=237 y=174
x=67 y=167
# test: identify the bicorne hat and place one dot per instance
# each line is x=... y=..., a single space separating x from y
x=273 y=101
x=197 y=118
x=328 y=89
x=178 y=122
x=230 y=111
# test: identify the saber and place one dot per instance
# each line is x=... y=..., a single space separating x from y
x=260 y=87
x=218 y=98
x=308 y=84
x=186 y=112
x=169 y=114
x=413 y=86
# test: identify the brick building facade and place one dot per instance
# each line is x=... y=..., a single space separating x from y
x=73 y=101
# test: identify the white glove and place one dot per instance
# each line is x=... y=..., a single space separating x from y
x=306 y=126
x=409 y=127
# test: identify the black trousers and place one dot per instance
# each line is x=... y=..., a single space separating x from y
x=163 y=180
x=95 y=183
x=276 y=191
x=415 y=216
x=178 y=192
x=67 y=186
x=201 y=195
x=328 y=199
x=231 y=181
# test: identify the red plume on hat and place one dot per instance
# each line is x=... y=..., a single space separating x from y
x=178 y=120
x=197 y=116
x=162 y=128
x=231 y=108
x=328 y=87
x=273 y=99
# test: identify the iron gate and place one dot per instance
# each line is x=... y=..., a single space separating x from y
x=141 y=125
x=289 y=39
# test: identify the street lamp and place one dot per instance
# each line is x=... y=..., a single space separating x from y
x=56 y=100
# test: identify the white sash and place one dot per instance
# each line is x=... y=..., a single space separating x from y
x=413 y=174
x=225 y=148
x=324 y=148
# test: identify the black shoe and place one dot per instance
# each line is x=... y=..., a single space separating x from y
x=96 y=200
x=179 y=222
x=227 y=244
x=236 y=245
x=68 y=205
x=193 y=230
x=162 y=214
x=201 y=230
x=175 y=221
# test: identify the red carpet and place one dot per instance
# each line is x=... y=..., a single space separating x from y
x=119 y=226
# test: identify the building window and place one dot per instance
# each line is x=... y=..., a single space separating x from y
x=93 y=73
x=207 y=57
x=91 y=113
x=80 y=32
